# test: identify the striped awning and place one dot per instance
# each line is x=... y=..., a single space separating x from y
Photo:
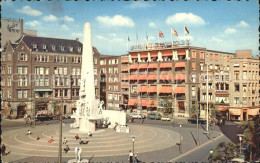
x=142 y=89
x=152 y=77
x=180 y=77
x=165 y=89
x=166 y=65
x=143 y=66
x=152 y=89
x=180 y=64
x=179 y=90
x=152 y=66
x=132 y=102
x=134 y=67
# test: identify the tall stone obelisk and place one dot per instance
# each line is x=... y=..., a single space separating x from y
x=87 y=106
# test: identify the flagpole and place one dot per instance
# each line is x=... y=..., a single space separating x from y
x=171 y=37
x=184 y=36
x=127 y=43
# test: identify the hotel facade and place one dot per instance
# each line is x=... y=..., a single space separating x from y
x=170 y=77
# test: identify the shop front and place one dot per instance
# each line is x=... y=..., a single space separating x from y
x=236 y=114
x=21 y=110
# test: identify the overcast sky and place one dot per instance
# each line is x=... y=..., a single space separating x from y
x=224 y=26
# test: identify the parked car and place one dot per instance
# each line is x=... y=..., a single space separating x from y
x=194 y=120
x=137 y=116
x=165 y=118
x=67 y=116
x=154 y=116
x=43 y=117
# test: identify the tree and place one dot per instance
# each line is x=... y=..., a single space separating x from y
x=251 y=137
x=167 y=106
x=152 y=104
x=55 y=106
x=215 y=114
x=224 y=152
x=193 y=112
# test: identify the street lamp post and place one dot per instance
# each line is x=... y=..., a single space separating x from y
x=240 y=139
x=133 y=139
x=60 y=135
x=180 y=138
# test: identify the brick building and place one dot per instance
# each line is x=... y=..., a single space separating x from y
x=38 y=71
x=110 y=85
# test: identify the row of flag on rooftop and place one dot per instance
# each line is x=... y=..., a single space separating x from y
x=160 y=34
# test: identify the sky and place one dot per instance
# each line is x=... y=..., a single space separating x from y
x=222 y=25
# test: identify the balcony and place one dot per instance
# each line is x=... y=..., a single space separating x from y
x=181 y=97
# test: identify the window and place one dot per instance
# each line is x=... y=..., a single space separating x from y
x=3 y=57
x=227 y=86
x=236 y=75
x=78 y=71
x=2 y=81
x=37 y=82
x=62 y=48
x=46 y=82
x=115 y=70
x=53 y=47
x=95 y=61
x=65 y=92
x=22 y=57
x=79 y=49
x=22 y=94
x=110 y=70
x=236 y=87
x=9 y=70
x=204 y=96
x=65 y=69
x=210 y=96
x=3 y=70
x=22 y=82
x=95 y=71
x=236 y=100
x=221 y=86
x=22 y=70
x=210 y=85
x=193 y=78
x=73 y=71
x=244 y=75
x=236 y=65
x=41 y=82
x=193 y=93
x=9 y=57
x=9 y=94
x=115 y=88
x=41 y=70
x=102 y=62
x=71 y=49
x=244 y=88
x=204 y=86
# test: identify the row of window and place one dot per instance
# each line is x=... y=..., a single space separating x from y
x=116 y=97
x=54 y=48
x=110 y=61
x=112 y=88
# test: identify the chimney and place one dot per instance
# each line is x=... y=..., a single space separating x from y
x=77 y=39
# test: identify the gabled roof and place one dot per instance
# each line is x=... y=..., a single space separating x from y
x=49 y=42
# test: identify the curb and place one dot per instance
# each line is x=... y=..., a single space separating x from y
x=207 y=143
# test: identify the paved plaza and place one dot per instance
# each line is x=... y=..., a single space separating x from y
x=105 y=142
x=152 y=143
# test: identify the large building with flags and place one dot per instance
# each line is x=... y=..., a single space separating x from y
x=173 y=78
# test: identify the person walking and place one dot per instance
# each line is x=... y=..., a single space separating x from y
x=77 y=137
x=64 y=141
x=136 y=160
x=130 y=157
x=51 y=140
x=3 y=148
x=66 y=149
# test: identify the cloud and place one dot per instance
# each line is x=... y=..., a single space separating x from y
x=113 y=34
x=29 y=11
x=216 y=39
x=64 y=27
x=139 y=4
x=50 y=18
x=230 y=31
x=100 y=37
x=32 y=23
x=117 y=20
x=185 y=18
x=242 y=24
x=116 y=40
x=68 y=19
x=185 y=37
x=152 y=25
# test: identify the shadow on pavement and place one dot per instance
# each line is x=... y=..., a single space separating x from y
x=231 y=132
x=193 y=138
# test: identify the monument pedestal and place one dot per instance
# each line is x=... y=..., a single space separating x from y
x=86 y=125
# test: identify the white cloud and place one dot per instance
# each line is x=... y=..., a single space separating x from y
x=152 y=25
x=29 y=11
x=230 y=31
x=68 y=19
x=7 y=3
x=242 y=24
x=140 y=4
x=64 y=27
x=113 y=34
x=100 y=37
x=185 y=18
x=32 y=23
x=77 y=34
x=50 y=18
x=117 y=20
x=116 y=40
x=216 y=39
x=185 y=37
